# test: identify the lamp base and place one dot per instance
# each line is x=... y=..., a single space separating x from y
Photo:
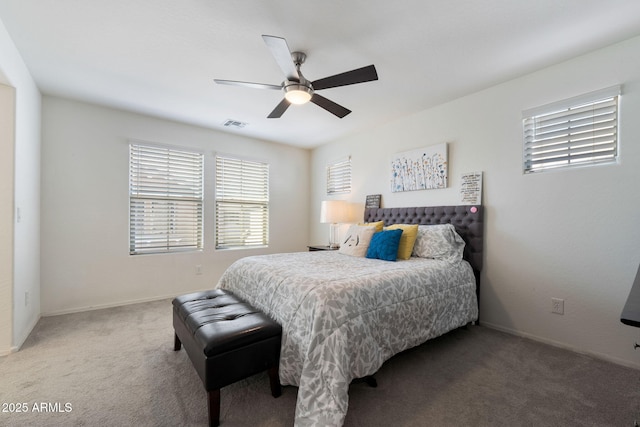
x=333 y=236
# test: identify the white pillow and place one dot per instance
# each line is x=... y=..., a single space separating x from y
x=356 y=240
x=440 y=241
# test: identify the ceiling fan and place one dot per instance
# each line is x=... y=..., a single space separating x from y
x=297 y=89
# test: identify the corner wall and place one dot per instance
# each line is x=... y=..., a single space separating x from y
x=7 y=121
x=85 y=207
x=20 y=295
x=566 y=234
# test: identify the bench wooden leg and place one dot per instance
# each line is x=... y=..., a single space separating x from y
x=371 y=382
x=214 y=407
x=177 y=345
x=274 y=380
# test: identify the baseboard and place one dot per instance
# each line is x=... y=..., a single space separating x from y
x=116 y=304
x=18 y=345
x=562 y=345
x=111 y=305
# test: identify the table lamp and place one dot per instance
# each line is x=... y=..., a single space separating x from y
x=334 y=212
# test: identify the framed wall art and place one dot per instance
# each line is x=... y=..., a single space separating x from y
x=373 y=201
x=471 y=188
x=421 y=169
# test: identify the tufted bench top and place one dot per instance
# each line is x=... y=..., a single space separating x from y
x=219 y=321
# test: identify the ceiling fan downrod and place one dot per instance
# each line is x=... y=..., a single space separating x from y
x=298 y=92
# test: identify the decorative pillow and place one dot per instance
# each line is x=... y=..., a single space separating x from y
x=439 y=241
x=408 y=239
x=378 y=225
x=384 y=245
x=356 y=241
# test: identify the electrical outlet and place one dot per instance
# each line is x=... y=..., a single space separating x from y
x=557 y=305
x=198 y=269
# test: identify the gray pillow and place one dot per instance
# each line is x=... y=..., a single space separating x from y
x=440 y=241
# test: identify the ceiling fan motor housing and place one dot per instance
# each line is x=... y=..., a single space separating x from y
x=298 y=92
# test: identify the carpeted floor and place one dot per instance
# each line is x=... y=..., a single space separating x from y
x=117 y=367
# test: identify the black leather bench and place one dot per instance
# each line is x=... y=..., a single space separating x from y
x=227 y=340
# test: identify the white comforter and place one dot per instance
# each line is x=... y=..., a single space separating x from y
x=343 y=316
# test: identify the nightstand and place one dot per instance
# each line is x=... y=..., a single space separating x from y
x=321 y=248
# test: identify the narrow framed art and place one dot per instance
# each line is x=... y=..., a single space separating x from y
x=471 y=188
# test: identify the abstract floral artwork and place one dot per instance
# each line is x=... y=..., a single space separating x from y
x=422 y=169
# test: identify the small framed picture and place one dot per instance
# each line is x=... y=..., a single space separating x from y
x=471 y=188
x=373 y=201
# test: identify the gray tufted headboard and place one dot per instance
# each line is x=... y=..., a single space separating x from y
x=468 y=221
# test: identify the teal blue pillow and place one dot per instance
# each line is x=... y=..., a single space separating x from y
x=384 y=245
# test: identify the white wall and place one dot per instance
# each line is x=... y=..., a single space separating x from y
x=85 y=258
x=567 y=234
x=24 y=185
x=7 y=120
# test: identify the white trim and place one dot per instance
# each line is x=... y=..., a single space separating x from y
x=563 y=346
x=163 y=180
x=339 y=178
x=186 y=148
x=30 y=328
x=111 y=305
x=575 y=132
x=242 y=190
x=608 y=92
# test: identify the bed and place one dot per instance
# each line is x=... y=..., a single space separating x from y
x=343 y=316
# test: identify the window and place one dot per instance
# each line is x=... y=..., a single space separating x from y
x=242 y=203
x=339 y=177
x=575 y=132
x=165 y=199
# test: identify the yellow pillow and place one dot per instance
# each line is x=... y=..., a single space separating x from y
x=408 y=239
x=378 y=225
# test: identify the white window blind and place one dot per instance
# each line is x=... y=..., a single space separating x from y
x=574 y=132
x=165 y=199
x=339 y=177
x=242 y=203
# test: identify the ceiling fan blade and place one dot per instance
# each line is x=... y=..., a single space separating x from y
x=329 y=105
x=360 y=75
x=247 y=84
x=280 y=109
x=280 y=51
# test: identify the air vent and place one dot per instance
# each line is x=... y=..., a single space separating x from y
x=230 y=123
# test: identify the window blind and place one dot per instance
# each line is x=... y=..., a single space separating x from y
x=165 y=199
x=575 y=132
x=339 y=177
x=242 y=203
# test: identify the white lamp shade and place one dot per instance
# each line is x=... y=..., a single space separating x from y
x=334 y=211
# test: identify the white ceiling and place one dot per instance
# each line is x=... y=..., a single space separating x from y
x=160 y=57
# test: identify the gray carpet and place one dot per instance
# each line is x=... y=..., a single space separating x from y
x=117 y=367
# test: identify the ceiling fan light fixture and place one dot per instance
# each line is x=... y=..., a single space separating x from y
x=297 y=89
x=298 y=94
